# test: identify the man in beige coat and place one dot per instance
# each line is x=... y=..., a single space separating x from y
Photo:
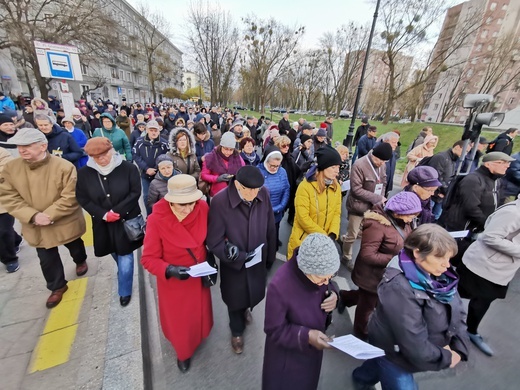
x=38 y=189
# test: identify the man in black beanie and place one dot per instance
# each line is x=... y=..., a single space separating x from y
x=241 y=219
x=367 y=188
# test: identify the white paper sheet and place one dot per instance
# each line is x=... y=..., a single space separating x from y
x=345 y=186
x=356 y=348
x=201 y=269
x=459 y=234
x=257 y=258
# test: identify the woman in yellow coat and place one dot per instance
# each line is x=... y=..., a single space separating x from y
x=318 y=200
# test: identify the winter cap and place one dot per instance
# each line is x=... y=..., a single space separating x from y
x=483 y=141
x=182 y=189
x=497 y=156
x=228 y=140
x=383 y=151
x=323 y=125
x=139 y=124
x=424 y=176
x=160 y=120
x=364 y=119
x=321 y=133
x=153 y=125
x=304 y=138
x=327 y=157
x=68 y=119
x=274 y=133
x=306 y=126
x=250 y=176
x=163 y=159
x=76 y=111
x=404 y=203
x=5 y=118
x=236 y=123
x=198 y=117
x=318 y=255
x=97 y=146
x=27 y=136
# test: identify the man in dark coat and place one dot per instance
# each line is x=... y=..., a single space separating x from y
x=474 y=199
x=367 y=142
x=504 y=142
x=284 y=126
x=241 y=219
x=61 y=143
x=182 y=114
x=361 y=130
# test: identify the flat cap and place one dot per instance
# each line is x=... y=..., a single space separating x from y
x=497 y=156
x=27 y=136
x=97 y=145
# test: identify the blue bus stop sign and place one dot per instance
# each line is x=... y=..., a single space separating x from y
x=59 y=65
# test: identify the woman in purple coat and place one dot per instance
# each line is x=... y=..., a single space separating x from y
x=299 y=303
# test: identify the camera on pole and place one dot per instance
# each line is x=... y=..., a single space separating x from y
x=477 y=103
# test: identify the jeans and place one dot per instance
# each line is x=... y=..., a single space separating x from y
x=52 y=267
x=125 y=273
x=146 y=187
x=9 y=239
x=391 y=376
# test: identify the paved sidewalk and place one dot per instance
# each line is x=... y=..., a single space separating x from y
x=104 y=338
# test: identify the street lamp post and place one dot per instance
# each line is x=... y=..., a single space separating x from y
x=348 y=139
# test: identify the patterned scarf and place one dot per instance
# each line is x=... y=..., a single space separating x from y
x=442 y=288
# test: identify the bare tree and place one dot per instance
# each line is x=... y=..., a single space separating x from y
x=406 y=24
x=270 y=49
x=58 y=21
x=212 y=35
x=153 y=30
x=343 y=54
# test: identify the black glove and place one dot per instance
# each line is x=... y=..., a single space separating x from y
x=224 y=177
x=178 y=272
x=249 y=256
x=231 y=251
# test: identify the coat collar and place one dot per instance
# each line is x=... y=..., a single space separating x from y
x=235 y=199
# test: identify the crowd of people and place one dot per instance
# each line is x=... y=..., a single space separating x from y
x=215 y=184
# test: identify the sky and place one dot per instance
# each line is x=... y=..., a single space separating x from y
x=313 y=14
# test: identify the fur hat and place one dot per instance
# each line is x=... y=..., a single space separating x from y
x=318 y=255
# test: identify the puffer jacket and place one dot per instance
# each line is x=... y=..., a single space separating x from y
x=188 y=165
x=63 y=144
x=279 y=190
x=116 y=136
x=145 y=153
x=363 y=181
x=510 y=183
x=495 y=256
x=413 y=328
x=379 y=244
x=203 y=147
x=315 y=212
x=158 y=188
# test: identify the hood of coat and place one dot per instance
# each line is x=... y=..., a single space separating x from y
x=377 y=214
x=207 y=136
x=173 y=136
x=118 y=160
x=430 y=138
x=40 y=102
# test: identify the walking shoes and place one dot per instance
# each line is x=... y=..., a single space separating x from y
x=56 y=297
x=81 y=268
x=13 y=266
x=184 y=365
x=237 y=343
x=480 y=344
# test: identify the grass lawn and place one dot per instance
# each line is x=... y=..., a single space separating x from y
x=447 y=134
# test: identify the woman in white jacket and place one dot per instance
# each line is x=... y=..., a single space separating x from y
x=489 y=264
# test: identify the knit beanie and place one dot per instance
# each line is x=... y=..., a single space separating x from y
x=404 y=203
x=4 y=118
x=327 y=157
x=318 y=255
x=304 y=138
x=382 y=151
x=228 y=140
x=163 y=159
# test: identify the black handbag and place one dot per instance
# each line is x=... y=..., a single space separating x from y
x=208 y=280
x=135 y=228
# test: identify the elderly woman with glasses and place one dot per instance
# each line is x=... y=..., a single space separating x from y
x=293 y=172
x=424 y=181
x=277 y=183
x=300 y=300
x=175 y=241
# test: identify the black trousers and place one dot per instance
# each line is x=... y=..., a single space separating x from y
x=52 y=267
x=9 y=239
x=477 y=309
x=237 y=321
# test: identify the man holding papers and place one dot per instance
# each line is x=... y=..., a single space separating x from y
x=241 y=219
x=178 y=226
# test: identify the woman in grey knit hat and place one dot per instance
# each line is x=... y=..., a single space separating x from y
x=299 y=302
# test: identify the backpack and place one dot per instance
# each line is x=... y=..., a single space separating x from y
x=492 y=144
x=425 y=161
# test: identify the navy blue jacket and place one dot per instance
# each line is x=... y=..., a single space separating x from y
x=510 y=185
x=145 y=153
x=365 y=145
x=203 y=147
x=61 y=143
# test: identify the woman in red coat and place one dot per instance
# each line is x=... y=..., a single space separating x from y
x=179 y=222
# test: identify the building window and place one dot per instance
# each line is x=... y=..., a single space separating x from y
x=121 y=75
x=493 y=6
x=128 y=76
x=479 y=47
x=113 y=73
x=489 y=20
x=495 y=34
x=84 y=69
x=84 y=88
x=439 y=95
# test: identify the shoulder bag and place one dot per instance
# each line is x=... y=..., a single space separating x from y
x=208 y=280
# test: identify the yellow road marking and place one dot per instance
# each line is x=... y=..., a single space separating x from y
x=88 y=238
x=55 y=343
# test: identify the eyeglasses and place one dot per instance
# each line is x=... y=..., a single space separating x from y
x=429 y=189
x=274 y=167
x=284 y=146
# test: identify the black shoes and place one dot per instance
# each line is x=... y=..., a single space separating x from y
x=124 y=301
x=184 y=365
